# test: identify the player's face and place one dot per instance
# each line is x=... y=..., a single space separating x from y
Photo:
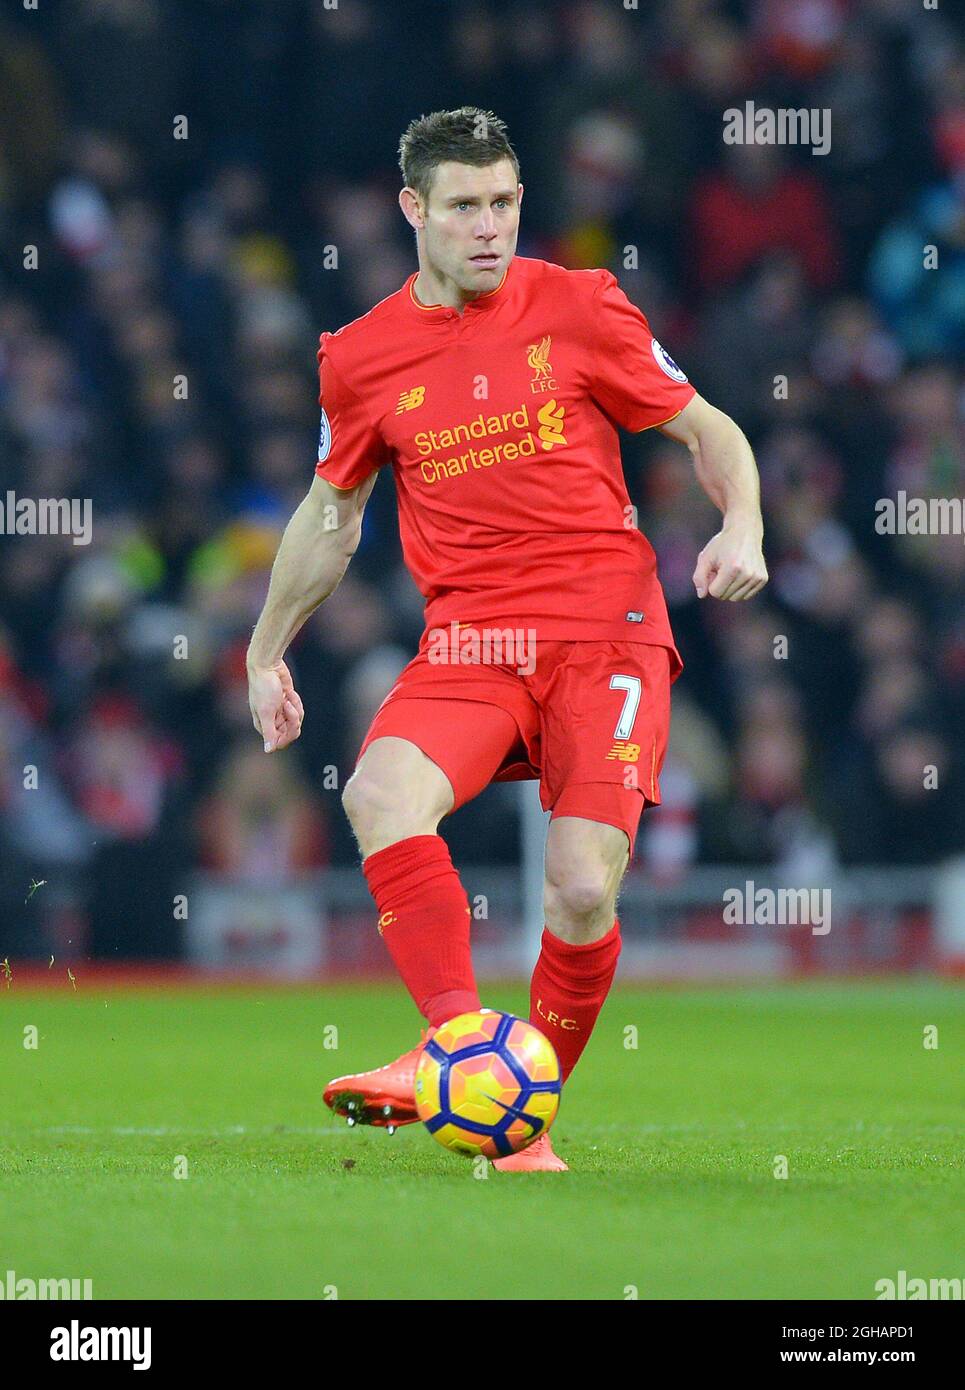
x=471 y=224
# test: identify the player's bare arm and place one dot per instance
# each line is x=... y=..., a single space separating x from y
x=731 y=565
x=319 y=541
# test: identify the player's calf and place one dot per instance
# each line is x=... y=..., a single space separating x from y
x=585 y=861
x=395 y=800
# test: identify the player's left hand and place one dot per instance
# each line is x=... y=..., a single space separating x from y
x=731 y=564
x=276 y=706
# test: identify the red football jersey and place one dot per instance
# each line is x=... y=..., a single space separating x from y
x=500 y=424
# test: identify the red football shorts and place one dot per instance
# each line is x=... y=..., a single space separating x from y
x=589 y=719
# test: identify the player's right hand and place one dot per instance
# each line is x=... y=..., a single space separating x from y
x=276 y=707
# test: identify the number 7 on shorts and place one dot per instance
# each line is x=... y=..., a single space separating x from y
x=631 y=684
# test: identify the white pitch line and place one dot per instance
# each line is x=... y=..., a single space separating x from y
x=167 y=1131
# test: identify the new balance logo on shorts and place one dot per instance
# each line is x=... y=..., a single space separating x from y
x=624 y=752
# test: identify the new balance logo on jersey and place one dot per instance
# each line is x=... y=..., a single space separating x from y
x=411 y=399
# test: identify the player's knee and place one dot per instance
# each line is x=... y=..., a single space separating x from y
x=381 y=811
x=366 y=800
x=581 y=890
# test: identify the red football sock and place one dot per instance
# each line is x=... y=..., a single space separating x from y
x=569 y=988
x=424 y=921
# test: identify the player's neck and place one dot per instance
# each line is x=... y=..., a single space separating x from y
x=431 y=289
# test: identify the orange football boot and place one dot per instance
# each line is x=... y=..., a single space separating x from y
x=538 y=1158
x=383 y=1097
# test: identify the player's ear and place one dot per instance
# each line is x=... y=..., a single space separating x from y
x=519 y=195
x=412 y=208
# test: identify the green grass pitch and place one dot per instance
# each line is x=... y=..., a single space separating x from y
x=672 y=1146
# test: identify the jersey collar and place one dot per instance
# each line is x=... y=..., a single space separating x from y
x=432 y=313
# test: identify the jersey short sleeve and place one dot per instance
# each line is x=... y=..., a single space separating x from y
x=631 y=376
x=350 y=448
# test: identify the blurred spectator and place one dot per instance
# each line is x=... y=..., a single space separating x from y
x=756 y=205
x=260 y=822
x=160 y=361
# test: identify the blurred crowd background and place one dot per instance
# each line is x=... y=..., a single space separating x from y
x=791 y=287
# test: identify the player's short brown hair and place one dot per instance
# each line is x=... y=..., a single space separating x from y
x=468 y=135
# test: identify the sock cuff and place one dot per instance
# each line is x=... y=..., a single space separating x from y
x=580 y=971
x=406 y=863
x=593 y=951
x=403 y=848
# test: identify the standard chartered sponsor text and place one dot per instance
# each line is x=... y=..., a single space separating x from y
x=434 y=467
